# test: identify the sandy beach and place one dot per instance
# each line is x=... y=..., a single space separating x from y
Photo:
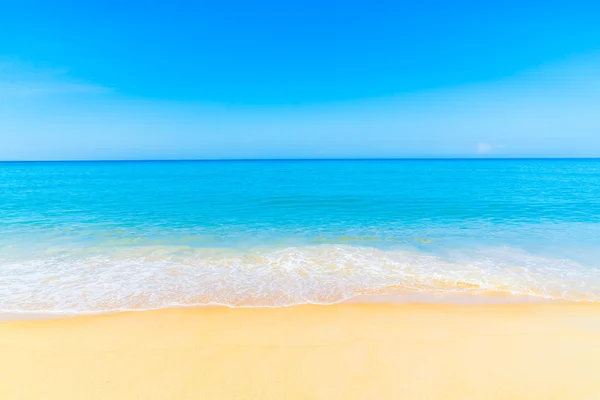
x=346 y=351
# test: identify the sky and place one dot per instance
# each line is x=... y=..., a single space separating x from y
x=312 y=79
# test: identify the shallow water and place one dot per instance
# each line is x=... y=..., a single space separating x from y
x=100 y=236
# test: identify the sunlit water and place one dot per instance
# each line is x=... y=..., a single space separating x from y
x=102 y=236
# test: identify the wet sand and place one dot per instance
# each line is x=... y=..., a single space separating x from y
x=346 y=351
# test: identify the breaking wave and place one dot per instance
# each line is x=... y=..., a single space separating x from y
x=139 y=278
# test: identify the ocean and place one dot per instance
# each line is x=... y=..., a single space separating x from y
x=107 y=236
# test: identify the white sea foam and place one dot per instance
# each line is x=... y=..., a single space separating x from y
x=137 y=278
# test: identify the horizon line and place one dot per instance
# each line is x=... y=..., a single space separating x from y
x=300 y=159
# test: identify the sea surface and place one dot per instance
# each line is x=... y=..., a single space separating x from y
x=105 y=236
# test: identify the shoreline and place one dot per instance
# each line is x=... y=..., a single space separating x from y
x=397 y=297
x=343 y=351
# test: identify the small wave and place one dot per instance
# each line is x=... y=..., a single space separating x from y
x=138 y=278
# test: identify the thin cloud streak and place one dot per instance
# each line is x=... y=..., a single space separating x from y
x=19 y=79
x=549 y=112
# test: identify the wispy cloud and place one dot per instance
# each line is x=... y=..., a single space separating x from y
x=549 y=112
x=20 y=79
x=47 y=88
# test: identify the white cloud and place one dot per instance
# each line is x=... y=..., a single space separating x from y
x=486 y=148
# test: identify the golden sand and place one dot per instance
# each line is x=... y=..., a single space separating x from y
x=348 y=351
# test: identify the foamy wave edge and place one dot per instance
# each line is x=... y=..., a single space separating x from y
x=158 y=277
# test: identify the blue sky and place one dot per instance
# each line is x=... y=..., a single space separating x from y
x=271 y=79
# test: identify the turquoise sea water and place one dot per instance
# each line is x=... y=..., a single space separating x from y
x=99 y=236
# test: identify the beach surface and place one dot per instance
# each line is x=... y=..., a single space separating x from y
x=344 y=351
